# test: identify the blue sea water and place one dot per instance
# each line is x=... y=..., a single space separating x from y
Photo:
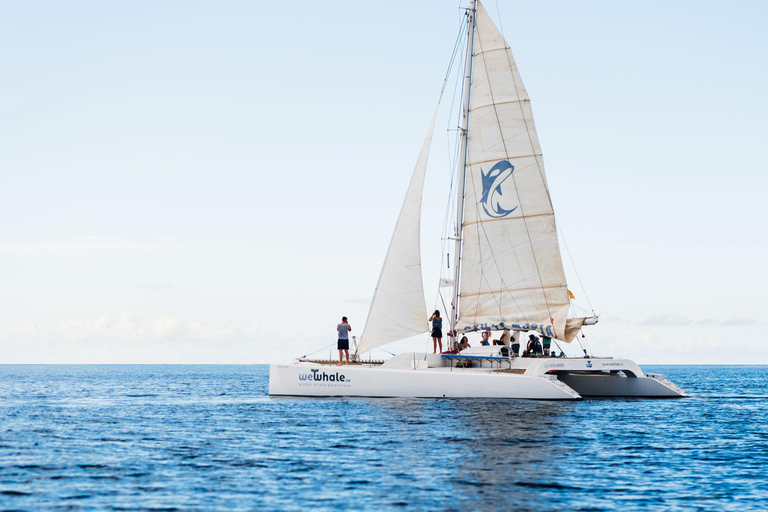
x=124 y=437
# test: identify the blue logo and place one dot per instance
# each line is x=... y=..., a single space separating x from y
x=323 y=377
x=491 y=199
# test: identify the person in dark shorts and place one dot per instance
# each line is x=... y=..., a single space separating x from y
x=343 y=345
x=437 y=331
x=515 y=345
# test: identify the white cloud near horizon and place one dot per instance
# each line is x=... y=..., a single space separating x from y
x=129 y=338
x=671 y=319
x=666 y=319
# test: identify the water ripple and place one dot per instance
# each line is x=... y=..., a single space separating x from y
x=122 y=437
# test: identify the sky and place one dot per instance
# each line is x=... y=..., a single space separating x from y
x=217 y=182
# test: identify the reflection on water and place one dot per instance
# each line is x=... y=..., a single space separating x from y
x=208 y=437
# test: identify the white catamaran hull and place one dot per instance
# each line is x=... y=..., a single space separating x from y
x=364 y=381
x=429 y=376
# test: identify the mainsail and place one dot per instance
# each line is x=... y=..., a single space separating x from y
x=511 y=270
x=398 y=310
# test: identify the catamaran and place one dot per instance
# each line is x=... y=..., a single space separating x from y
x=507 y=273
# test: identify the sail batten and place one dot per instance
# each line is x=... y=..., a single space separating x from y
x=511 y=269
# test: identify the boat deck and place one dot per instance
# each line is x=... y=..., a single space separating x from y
x=334 y=362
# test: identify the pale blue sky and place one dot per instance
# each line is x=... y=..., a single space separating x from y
x=218 y=181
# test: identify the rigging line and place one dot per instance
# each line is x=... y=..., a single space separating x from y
x=506 y=152
x=582 y=346
x=456 y=87
x=387 y=351
x=445 y=237
x=461 y=168
x=461 y=38
x=586 y=342
x=452 y=158
x=498 y=13
x=493 y=256
x=442 y=300
x=581 y=331
x=508 y=52
x=448 y=215
x=316 y=351
x=578 y=277
x=456 y=46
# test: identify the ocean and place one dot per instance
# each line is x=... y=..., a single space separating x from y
x=207 y=437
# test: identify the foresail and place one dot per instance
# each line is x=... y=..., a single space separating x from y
x=511 y=271
x=398 y=310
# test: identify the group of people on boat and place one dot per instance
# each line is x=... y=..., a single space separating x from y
x=535 y=348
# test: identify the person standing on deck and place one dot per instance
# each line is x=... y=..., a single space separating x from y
x=515 y=345
x=343 y=345
x=437 y=331
x=546 y=343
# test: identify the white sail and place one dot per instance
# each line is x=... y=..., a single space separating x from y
x=398 y=310
x=511 y=271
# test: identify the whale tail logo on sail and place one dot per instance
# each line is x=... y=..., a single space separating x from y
x=492 y=194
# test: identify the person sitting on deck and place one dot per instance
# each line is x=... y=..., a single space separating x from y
x=486 y=336
x=504 y=340
x=464 y=343
x=534 y=345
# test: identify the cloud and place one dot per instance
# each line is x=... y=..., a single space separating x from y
x=127 y=327
x=157 y=287
x=99 y=238
x=671 y=319
x=666 y=319
x=739 y=321
x=733 y=321
x=88 y=247
x=128 y=338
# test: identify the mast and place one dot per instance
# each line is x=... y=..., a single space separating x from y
x=463 y=170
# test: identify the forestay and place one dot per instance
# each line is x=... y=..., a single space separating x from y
x=398 y=310
x=511 y=270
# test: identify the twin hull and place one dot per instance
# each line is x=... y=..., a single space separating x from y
x=421 y=380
